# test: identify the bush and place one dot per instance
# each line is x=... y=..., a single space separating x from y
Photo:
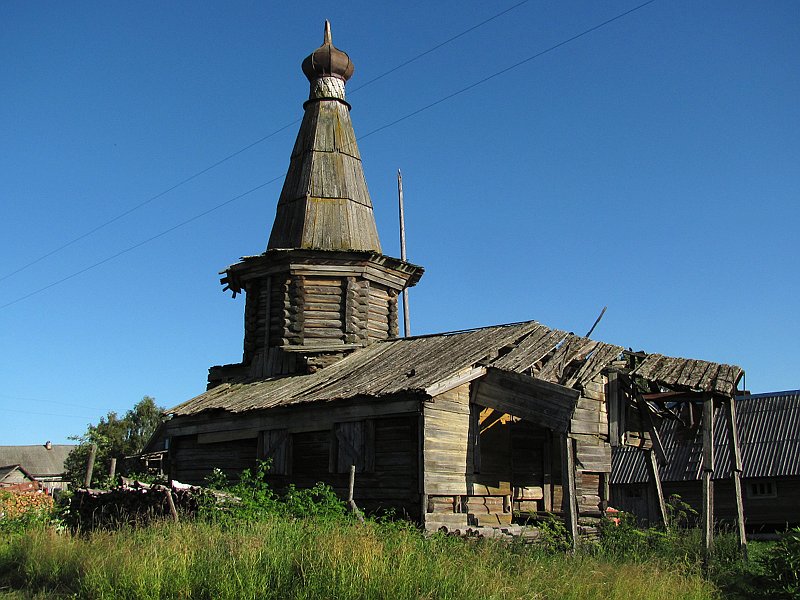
x=252 y=499
x=22 y=510
x=782 y=567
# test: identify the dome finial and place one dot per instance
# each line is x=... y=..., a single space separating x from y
x=327 y=61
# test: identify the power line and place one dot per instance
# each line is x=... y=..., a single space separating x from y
x=139 y=244
x=374 y=131
x=145 y=202
x=437 y=46
x=190 y=178
x=506 y=70
x=27 y=412
x=61 y=403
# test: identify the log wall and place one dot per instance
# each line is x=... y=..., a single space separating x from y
x=388 y=477
x=316 y=312
x=481 y=466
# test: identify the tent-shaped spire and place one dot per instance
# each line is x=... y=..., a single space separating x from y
x=324 y=203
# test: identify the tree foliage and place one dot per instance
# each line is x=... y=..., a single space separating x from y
x=115 y=437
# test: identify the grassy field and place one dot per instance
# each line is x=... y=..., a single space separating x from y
x=313 y=558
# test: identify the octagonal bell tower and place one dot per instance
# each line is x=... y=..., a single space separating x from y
x=323 y=288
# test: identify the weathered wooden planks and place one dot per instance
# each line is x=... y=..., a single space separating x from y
x=447 y=452
x=541 y=402
x=324 y=202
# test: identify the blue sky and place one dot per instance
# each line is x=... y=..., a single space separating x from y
x=651 y=166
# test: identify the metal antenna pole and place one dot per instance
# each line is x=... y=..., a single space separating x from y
x=406 y=318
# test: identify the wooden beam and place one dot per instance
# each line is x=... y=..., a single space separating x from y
x=445 y=385
x=652 y=464
x=613 y=407
x=227 y=436
x=568 y=488
x=547 y=404
x=605 y=490
x=87 y=480
x=649 y=421
x=547 y=471
x=736 y=471
x=267 y=310
x=708 y=472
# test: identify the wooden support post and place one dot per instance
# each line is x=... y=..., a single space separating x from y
x=650 y=425
x=568 y=488
x=267 y=310
x=605 y=491
x=547 y=471
x=736 y=471
x=652 y=464
x=172 y=510
x=613 y=408
x=708 y=472
x=87 y=481
x=112 y=470
x=406 y=317
x=350 y=502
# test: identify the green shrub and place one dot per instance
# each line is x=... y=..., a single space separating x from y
x=781 y=566
x=252 y=499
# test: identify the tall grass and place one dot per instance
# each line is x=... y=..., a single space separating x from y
x=319 y=558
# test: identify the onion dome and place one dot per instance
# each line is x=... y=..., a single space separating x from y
x=327 y=61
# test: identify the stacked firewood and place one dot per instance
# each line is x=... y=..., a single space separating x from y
x=132 y=503
x=14 y=504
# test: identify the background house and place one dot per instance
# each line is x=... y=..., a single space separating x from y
x=44 y=463
x=769 y=434
x=15 y=478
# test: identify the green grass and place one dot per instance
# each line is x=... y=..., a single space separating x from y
x=314 y=558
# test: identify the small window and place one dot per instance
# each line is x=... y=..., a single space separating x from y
x=353 y=444
x=762 y=489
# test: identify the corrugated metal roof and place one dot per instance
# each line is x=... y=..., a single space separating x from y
x=37 y=460
x=769 y=436
x=411 y=365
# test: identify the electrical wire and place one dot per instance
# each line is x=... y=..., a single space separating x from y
x=140 y=244
x=374 y=131
x=205 y=170
x=27 y=412
x=59 y=402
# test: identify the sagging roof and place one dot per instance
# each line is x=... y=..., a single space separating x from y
x=37 y=460
x=769 y=436
x=415 y=365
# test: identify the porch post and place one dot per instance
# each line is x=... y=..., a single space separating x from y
x=708 y=472
x=568 y=488
x=736 y=471
x=653 y=468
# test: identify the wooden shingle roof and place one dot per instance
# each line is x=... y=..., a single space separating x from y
x=325 y=203
x=416 y=365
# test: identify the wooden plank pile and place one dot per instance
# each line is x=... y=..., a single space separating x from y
x=14 y=504
x=132 y=503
